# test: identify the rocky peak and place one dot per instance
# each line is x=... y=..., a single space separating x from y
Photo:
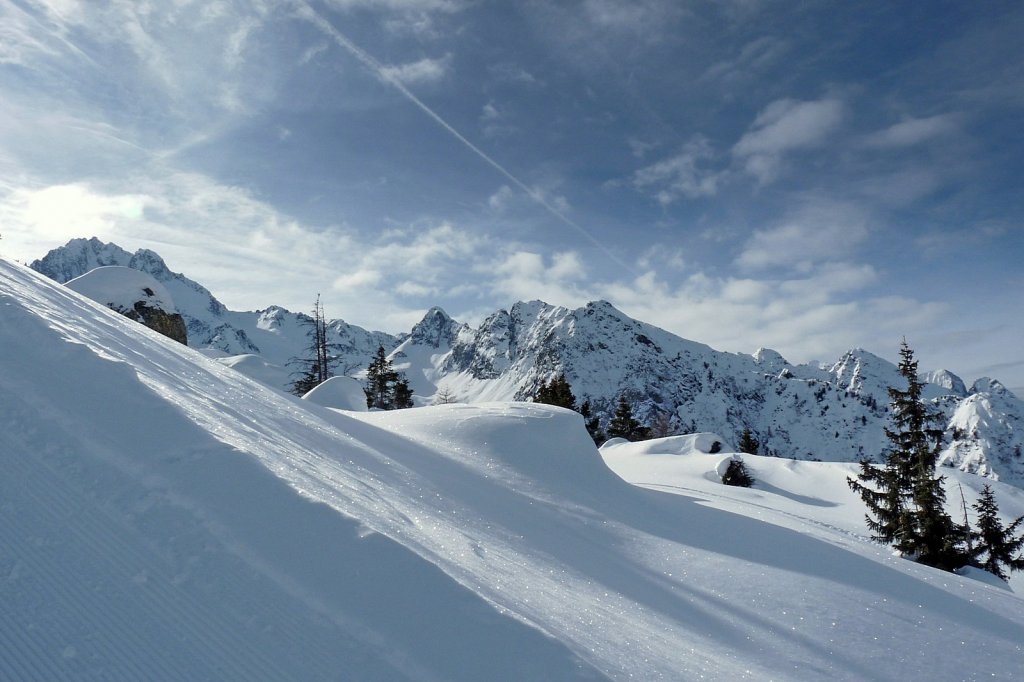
x=947 y=380
x=78 y=257
x=436 y=329
x=772 y=361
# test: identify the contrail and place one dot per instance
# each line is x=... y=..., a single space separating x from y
x=308 y=13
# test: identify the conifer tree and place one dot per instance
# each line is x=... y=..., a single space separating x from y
x=317 y=365
x=905 y=498
x=385 y=388
x=402 y=394
x=748 y=443
x=994 y=541
x=556 y=392
x=736 y=474
x=623 y=425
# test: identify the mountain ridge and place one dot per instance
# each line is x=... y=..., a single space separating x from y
x=825 y=412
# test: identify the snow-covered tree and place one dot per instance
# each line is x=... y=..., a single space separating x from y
x=905 y=498
x=736 y=474
x=997 y=544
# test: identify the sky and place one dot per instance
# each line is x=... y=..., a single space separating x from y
x=809 y=177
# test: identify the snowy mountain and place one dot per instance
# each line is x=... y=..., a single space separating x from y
x=165 y=517
x=274 y=333
x=831 y=412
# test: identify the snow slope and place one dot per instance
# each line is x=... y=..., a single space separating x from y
x=836 y=411
x=166 y=517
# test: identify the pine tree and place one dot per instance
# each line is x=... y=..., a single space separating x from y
x=556 y=392
x=994 y=541
x=317 y=366
x=748 y=443
x=385 y=388
x=736 y=474
x=623 y=425
x=905 y=498
x=402 y=395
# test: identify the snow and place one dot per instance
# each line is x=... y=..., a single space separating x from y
x=121 y=288
x=342 y=393
x=166 y=517
x=834 y=411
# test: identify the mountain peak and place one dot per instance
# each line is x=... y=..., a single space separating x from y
x=436 y=328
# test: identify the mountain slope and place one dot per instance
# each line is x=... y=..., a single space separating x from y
x=165 y=517
x=835 y=412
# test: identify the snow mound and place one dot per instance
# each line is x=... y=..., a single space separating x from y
x=254 y=367
x=341 y=393
x=688 y=444
x=121 y=288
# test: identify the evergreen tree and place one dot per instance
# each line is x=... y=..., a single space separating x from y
x=995 y=542
x=748 y=443
x=905 y=498
x=317 y=365
x=593 y=423
x=623 y=425
x=736 y=474
x=402 y=394
x=556 y=392
x=385 y=388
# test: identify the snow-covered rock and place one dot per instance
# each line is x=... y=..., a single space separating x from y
x=136 y=295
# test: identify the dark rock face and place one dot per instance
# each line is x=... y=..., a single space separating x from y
x=171 y=325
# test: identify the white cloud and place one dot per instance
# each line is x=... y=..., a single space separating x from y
x=681 y=175
x=494 y=122
x=815 y=233
x=754 y=56
x=525 y=275
x=816 y=315
x=783 y=126
x=646 y=18
x=425 y=70
x=510 y=72
x=500 y=200
x=913 y=131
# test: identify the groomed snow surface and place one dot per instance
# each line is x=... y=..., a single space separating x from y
x=162 y=516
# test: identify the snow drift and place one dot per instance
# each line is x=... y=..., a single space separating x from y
x=164 y=516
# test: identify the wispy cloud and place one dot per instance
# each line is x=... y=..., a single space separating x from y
x=426 y=70
x=752 y=58
x=818 y=232
x=913 y=131
x=784 y=126
x=681 y=175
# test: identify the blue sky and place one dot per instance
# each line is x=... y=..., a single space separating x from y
x=803 y=176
